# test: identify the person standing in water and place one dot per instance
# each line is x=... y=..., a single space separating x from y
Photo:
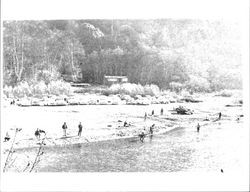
x=80 y=129
x=198 y=128
x=64 y=127
x=161 y=111
x=151 y=129
x=142 y=136
x=37 y=134
x=219 y=118
x=145 y=116
x=153 y=112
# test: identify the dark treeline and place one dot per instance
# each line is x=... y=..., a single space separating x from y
x=167 y=52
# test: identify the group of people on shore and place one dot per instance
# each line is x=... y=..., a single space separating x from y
x=65 y=127
x=39 y=132
x=152 y=114
x=142 y=135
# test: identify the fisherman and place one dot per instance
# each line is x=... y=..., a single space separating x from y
x=161 y=111
x=64 y=127
x=37 y=134
x=80 y=129
x=151 y=129
x=7 y=137
x=198 y=128
x=142 y=136
x=219 y=116
x=145 y=116
x=153 y=112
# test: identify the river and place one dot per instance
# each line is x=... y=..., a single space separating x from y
x=182 y=149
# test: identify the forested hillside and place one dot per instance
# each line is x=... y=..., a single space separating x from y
x=169 y=53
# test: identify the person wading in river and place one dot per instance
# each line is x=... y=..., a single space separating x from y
x=219 y=118
x=145 y=116
x=64 y=127
x=142 y=136
x=161 y=111
x=198 y=128
x=80 y=129
x=37 y=134
x=151 y=129
x=153 y=112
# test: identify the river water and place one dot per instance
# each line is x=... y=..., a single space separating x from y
x=182 y=149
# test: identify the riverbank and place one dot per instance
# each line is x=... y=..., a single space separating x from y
x=105 y=122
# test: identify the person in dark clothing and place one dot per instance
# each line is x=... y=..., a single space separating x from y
x=153 y=112
x=219 y=116
x=198 y=128
x=37 y=134
x=161 y=111
x=125 y=124
x=80 y=129
x=151 y=129
x=145 y=116
x=7 y=137
x=142 y=136
x=64 y=127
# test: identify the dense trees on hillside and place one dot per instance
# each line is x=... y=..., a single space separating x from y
x=162 y=52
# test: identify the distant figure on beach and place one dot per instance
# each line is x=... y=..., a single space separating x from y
x=7 y=137
x=64 y=127
x=66 y=100
x=221 y=171
x=151 y=129
x=219 y=116
x=142 y=136
x=37 y=134
x=145 y=116
x=80 y=129
x=161 y=111
x=125 y=124
x=153 y=112
x=12 y=102
x=198 y=128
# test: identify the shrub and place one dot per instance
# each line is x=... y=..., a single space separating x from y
x=22 y=90
x=38 y=89
x=197 y=84
x=152 y=90
x=132 y=89
x=175 y=86
x=59 y=88
x=8 y=91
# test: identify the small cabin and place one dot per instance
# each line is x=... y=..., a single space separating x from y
x=109 y=80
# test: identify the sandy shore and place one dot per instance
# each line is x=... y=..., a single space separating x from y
x=105 y=122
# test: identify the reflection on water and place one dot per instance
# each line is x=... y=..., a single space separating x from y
x=182 y=149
